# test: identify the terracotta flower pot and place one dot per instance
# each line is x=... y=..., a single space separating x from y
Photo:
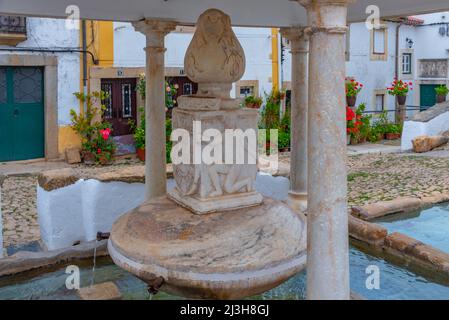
x=393 y=136
x=401 y=100
x=104 y=160
x=351 y=101
x=88 y=157
x=253 y=105
x=441 y=98
x=141 y=154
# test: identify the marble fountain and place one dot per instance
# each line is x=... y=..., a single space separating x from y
x=213 y=236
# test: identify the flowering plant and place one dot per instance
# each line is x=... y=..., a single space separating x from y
x=352 y=87
x=96 y=143
x=399 y=88
x=170 y=91
x=101 y=145
x=357 y=125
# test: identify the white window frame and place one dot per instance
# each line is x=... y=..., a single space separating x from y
x=407 y=65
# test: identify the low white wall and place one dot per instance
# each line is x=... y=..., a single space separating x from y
x=413 y=129
x=76 y=212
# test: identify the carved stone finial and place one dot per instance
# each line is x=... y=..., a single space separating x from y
x=214 y=58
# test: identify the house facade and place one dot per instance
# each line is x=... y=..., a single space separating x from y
x=43 y=62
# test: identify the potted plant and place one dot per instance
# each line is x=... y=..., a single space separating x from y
x=358 y=125
x=253 y=102
x=284 y=141
x=441 y=93
x=393 y=131
x=399 y=89
x=139 y=135
x=350 y=128
x=97 y=145
x=139 y=131
x=352 y=89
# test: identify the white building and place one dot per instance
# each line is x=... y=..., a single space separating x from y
x=416 y=49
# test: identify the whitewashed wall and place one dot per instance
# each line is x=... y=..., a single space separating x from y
x=256 y=43
x=51 y=33
x=429 y=43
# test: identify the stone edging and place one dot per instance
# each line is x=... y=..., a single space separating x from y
x=56 y=179
x=26 y=261
x=406 y=249
x=60 y=178
x=399 y=205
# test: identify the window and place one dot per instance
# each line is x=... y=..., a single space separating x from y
x=246 y=91
x=187 y=88
x=406 y=63
x=379 y=41
x=244 y=88
x=380 y=102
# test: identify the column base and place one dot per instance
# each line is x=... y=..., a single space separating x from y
x=214 y=204
x=297 y=201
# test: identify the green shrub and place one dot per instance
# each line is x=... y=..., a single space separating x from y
x=442 y=90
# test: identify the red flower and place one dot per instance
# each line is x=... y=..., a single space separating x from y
x=350 y=114
x=105 y=133
x=99 y=151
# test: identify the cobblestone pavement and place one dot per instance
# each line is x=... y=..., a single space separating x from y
x=20 y=225
x=371 y=178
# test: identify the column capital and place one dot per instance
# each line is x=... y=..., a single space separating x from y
x=326 y=15
x=154 y=30
x=298 y=37
x=294 y=33
x=313 y=3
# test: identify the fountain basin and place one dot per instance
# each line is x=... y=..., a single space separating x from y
x=224 y=255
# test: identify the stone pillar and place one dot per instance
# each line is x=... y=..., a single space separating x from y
x=297 y=198
x=155 y=163
x=327 y=217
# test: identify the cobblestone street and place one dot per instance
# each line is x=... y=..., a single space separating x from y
x=371 y=178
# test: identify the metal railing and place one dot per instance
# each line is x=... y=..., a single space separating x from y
x=13 y=24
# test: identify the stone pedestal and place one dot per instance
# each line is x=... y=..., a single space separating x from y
x=215 y=59
x=221 y=185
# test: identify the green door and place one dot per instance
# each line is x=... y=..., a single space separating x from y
x=21 y=113
x=427 y=96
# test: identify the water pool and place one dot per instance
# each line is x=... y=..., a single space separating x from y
x=395 y=283
x=430 y=226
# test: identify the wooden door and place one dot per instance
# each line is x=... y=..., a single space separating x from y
x=120 y=105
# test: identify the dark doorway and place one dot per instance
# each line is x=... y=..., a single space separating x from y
x=120 y=105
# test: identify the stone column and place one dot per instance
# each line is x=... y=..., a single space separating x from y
x=297 y=198
x=327 y=217
x=155 y=163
